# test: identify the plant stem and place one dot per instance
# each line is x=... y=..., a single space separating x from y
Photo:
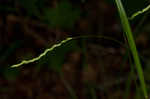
x=128 y=32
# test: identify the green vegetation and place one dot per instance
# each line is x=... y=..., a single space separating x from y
x=139 y=12
x=132 y=46
x=41 y=55
x=64 y=15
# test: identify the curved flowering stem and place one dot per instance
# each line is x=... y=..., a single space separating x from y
x=139 y=12
x=41 y=55
x=58 y=45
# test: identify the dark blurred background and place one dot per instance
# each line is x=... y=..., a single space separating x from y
x=91 y=68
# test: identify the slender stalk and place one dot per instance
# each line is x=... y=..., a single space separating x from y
x=60 y=44
x=139 y=12
x=131 y=42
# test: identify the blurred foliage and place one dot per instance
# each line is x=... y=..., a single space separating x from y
x=30 y=6
x=11 y=73
x=62 y=16
x=6 y=53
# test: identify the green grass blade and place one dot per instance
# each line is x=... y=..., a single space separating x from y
x=128 y=32
x=139 y=12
